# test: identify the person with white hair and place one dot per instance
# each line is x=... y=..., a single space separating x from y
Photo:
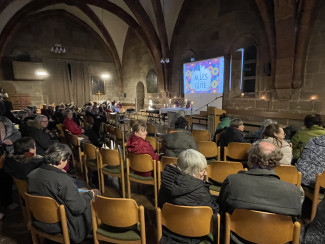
x=183 y=184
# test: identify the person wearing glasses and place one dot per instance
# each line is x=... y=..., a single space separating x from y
x=183 y=184
x=274 y=134
x=37 y=130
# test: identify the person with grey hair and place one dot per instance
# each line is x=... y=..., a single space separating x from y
x=260 y=188
x=51 y=180
x=265 y=123
x=36 y=130
x=234 y=133
x=183 y=184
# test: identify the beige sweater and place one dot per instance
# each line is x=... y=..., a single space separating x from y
x=285 y=148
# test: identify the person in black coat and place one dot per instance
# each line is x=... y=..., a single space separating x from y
x=50 y=180
x=184 y=185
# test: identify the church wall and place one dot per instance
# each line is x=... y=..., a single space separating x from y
x=137 y=62
x=32 y=40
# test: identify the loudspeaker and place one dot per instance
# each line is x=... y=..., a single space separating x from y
x=267 y=69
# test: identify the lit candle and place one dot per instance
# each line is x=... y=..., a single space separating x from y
x=170 y=101
x=185 y=101
x=192 y=104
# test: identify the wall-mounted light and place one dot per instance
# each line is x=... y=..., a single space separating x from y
x=41 y=73
x=242 y=94
x=104 y=76
x=313 y=98
x=263 y=97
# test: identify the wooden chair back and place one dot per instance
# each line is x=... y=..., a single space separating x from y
x=209 y=149
x=60 y=128
x=219 y=170
x=153 y=143
x=91 y=155
x=76 y=146
x=111 y=158
x=320 y=182
x=189 y=221
x=22 y=189
x=201 y=135
x=47 y=210
x=151 y=129
x=289 y=173
x=120 y=140
x=161 y=165
x=141 y=163
x=117 y=212
x=262 y=227
x=237 y=151
x=190 y=122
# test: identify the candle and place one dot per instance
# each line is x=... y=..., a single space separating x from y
x=192 y=104
x=185 y=101
x=170 y=101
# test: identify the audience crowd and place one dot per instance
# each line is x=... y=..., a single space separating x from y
x=35 y=153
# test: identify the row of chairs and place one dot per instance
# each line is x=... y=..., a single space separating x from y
x=111 y=213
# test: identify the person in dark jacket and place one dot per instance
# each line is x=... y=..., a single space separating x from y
x=260 y=188
x=23 y=160
x=51 y=180
x=184 y=184
x=179 y=139
x=313 y=233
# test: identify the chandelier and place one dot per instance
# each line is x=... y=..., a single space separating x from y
x=58 y=48
x=164 y=60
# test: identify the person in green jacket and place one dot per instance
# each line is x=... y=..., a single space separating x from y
x=313 y=128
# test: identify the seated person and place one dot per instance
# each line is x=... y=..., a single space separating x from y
x=37 y=130
x=313 y=128
x=273 y=133
x=137 y=144
x=260 y=188
x=259 y=133
x=183 y=184
x=234 y=133
x=179 y=139
x=23 y=160
x=51 y=180
x=72 y=126
x=312 y=161
x=313 y=232
x=223 y=124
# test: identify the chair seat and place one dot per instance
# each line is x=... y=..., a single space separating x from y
x=112 y=169
x=310 y=193
x=139 y=177
x=208 y=239
x=92 y=162
x=215 y=188
x=127 y=234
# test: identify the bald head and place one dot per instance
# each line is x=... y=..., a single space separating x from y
x=264 y=155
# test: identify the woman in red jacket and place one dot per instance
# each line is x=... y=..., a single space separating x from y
x=72 y=126
x=137 y=144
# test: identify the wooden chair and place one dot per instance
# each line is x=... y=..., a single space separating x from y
x=189 y=221
x=22 y=189
x=119 y=139
x=210 y=150
x=262 y=227
x=289 y=173
x=154 y=143
x=60 y=128
x=316 y=196
x=161 y=165
x=218 y=172
x=111 y=163
x=237 y=151
x=76 y=148
x=151 y=129
x=90 y=160
x=141 y=163
x=201 y=135
x=47 y=210
x=190 y=122
x=111 y=132
x=109 y=214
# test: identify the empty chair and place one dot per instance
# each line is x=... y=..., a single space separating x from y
x=262 y=227
x=111 y=163
x=210 y=150
x=47 y=210
x=90 y=160
x=201 y=135
x=289 y=173
x=218 y=172
x=316 y=196
x=141 y=163
x=188 y=221
x=118 y=220
x=237 y=151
